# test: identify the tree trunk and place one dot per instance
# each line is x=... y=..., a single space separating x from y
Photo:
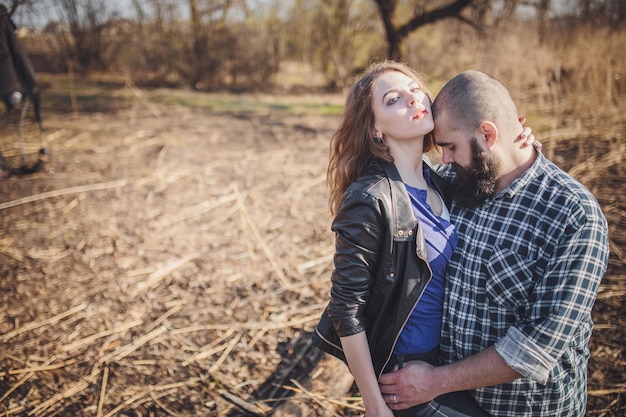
x=395 y=35
x=387 y=10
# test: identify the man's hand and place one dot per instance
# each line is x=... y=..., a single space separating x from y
x=420 y=382
x=409 y=386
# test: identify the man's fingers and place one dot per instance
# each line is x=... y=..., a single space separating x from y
x=389 y=378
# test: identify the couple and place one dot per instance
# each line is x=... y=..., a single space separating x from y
x=464 y=290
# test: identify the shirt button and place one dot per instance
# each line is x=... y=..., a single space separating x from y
x=466 y=289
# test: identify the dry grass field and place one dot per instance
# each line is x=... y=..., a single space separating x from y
x=174 y=256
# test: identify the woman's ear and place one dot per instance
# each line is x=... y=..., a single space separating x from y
x=490 y=133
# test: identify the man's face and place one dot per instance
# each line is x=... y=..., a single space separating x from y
x=477 y=182
x=454 y=144
x=477 y=170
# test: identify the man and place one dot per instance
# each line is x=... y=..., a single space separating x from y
x=533 y=247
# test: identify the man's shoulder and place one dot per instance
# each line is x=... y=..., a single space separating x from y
x=566 y=184
x=567 y=193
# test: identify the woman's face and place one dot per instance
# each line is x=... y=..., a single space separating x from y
x=401 y=109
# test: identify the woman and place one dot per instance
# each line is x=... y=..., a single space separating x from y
x=393 y=237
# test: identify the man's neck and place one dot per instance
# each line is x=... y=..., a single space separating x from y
x=516 y=168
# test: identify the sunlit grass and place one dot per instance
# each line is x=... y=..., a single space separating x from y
x=94 y=95
x=252 y=103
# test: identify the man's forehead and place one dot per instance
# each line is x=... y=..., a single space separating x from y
x=445 y=136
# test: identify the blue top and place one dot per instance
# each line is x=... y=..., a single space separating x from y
x=422 y=332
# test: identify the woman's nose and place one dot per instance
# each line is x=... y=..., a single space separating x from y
x=410 y=98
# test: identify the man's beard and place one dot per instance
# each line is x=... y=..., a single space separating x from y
x=476 y=183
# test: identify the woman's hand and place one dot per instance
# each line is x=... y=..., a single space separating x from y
x=382 y=412
x=356 y=349
x=527 y=138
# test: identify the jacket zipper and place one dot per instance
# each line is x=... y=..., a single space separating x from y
x=407 y=317
x=328 y=341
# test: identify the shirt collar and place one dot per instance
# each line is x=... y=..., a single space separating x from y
x=536 y=170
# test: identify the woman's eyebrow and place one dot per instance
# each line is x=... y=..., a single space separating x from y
x=391 y=90
x=394 y=90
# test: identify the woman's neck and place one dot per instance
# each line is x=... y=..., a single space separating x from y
x=407 y=158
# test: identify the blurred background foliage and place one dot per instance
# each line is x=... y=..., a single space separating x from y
x=545 y=47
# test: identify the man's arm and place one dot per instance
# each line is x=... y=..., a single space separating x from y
x=419 y=382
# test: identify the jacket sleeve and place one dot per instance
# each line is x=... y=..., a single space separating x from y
x=360 y=229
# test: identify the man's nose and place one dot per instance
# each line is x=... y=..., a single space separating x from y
x=446 y=157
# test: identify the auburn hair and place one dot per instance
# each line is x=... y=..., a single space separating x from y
x=352 y=146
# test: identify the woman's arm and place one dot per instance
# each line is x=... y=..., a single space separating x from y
x=360 y=229
x=359 y=360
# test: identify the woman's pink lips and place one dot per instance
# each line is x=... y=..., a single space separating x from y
x=420 y=113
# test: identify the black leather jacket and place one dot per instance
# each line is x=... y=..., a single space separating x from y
x=381 y=267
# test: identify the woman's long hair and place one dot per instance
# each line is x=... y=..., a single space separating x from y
x=352 y=147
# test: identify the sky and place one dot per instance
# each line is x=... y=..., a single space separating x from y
x=48 y=10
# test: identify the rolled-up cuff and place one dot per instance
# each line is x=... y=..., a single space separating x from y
x=524 y=356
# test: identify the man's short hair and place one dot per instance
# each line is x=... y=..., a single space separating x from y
x=473 y=97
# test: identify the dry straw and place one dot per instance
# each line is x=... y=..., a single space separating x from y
x=177 y=265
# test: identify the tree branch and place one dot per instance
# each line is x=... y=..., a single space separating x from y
x=451 y=10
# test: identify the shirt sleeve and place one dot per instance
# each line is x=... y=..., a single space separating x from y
x=560 y=310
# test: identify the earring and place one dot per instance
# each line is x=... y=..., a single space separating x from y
x=378 y=140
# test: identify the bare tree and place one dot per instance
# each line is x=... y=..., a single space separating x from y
x=336 y=37
x=543 y=7
x=396 y=34
x=12 y=5
x=611 y=11
x=26 y=6
x=87 y=20
x=226 y=46
x=341 y=30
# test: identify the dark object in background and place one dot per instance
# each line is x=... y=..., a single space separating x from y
x=7 y=169
x=18 y=82
x=17 y=75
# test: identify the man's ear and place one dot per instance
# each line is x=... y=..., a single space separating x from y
x=490 y=133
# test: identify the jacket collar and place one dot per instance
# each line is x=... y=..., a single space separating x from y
x=402 y=216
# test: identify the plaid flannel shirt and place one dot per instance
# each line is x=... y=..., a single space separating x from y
x=524 y=278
